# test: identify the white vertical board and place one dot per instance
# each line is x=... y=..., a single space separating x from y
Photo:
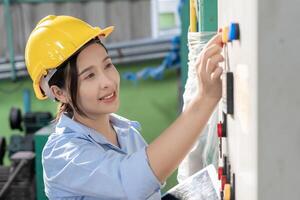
x=264 y=132
x=279 y=99
x=242 y=126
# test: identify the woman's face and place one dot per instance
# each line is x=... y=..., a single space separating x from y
x=98 y=82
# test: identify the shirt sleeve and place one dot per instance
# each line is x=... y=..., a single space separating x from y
x=89 y=170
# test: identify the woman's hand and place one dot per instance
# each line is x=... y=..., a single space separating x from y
x=168 y=150
x=209 y=70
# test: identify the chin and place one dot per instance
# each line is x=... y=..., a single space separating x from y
x=111 y=109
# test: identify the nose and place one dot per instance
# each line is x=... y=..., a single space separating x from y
x=105 y=81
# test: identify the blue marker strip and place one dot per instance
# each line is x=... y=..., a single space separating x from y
x=234 y=32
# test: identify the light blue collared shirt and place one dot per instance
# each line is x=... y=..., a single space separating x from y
x=79 y=163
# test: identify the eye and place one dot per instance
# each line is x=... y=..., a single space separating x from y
x=90 y=75
x=109 y=65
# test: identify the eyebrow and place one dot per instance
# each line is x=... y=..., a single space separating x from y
x=88 y=68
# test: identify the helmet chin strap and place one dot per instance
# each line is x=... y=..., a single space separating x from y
x=45 y=86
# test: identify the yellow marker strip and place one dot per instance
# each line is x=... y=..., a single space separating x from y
x=193 y=18
x=225 y=32
x=227 y=192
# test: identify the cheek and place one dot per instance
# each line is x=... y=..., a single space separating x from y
x=84 y=91
x=116 y=77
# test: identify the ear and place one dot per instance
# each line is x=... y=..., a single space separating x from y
x=60 y=94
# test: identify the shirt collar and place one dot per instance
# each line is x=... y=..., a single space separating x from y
x=123 y=123
x=122 y=127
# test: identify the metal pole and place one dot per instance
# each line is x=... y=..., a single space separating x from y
x=208 y=12
x=10 y=41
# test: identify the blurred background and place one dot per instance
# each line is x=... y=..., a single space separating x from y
x=145 y=48
x=149 y=48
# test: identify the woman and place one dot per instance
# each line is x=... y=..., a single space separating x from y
x=93 y=153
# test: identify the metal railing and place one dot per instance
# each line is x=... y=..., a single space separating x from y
x=9 y=28
x=121 y=53
x=14 y=66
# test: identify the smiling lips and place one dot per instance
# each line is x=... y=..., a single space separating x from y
x=108 y=98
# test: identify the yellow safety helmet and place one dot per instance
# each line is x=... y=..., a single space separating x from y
x=53 y=41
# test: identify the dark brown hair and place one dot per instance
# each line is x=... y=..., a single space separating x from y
x=66 y=77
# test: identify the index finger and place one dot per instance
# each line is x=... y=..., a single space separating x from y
x=217 y=39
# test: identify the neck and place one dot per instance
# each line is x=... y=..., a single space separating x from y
x=101 y=123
